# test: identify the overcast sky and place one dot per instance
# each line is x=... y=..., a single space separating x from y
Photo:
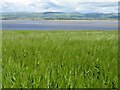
x=83 y=6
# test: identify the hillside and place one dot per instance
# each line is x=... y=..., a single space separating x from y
x=57 y=16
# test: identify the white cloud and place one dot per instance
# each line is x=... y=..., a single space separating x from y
x=17 y=1
x=60 y=5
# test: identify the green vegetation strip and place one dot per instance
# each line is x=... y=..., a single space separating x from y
x=0 y=58
x=60 y=59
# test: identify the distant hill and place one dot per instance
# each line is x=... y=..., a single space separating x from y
x=58 y=16
x=52 y=12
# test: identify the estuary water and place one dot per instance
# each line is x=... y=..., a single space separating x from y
x=59 y=25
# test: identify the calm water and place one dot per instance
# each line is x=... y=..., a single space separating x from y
x=59 y=25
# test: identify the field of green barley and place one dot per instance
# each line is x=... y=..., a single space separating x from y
x=59 y=59
x=0 y=58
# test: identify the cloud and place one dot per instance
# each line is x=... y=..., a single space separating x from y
x=97 y=7
x=108 y=6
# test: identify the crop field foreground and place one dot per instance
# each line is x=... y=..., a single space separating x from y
x=59 y=59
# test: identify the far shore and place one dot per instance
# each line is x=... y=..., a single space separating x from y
x=62 y=20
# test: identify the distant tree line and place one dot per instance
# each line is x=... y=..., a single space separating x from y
x=5 y=18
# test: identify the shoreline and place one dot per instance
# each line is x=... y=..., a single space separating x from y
x=55 y=20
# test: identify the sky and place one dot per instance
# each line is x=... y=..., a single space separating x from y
x=82 y=6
